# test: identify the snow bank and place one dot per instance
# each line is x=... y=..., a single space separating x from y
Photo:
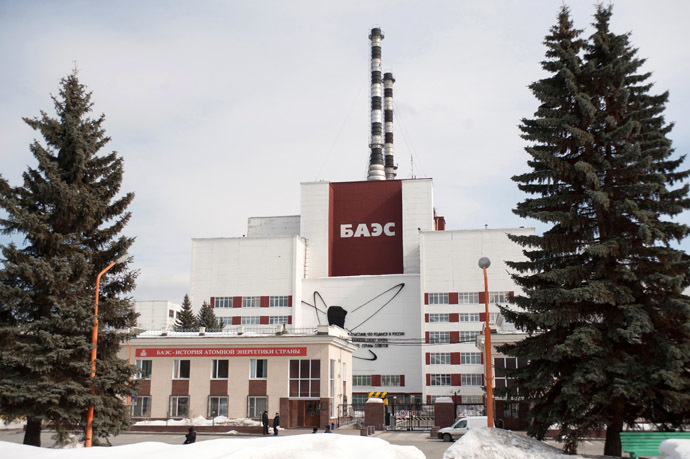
x=675 y=449
x=12 y=425
x=309 y=446
x=202 y=421
x=501 y=444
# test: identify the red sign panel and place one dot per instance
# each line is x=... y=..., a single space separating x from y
x=223 y=352
x=365 y=228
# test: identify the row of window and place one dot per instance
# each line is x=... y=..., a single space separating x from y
x=468 y=297
x=386 y=380
x=466 y=358
x=179 y=406
x=256 y=320
x=462 y=317
x=465 y=379
x=251 y=301
x=466 y=399
x=443 y=337
x=219 y=369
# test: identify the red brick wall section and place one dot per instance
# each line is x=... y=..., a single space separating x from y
x=402 y=380
x=455 y=379
x=237 y=302
x=428 y=358
x=257 y=387
x=180 y=387
x=237 y=320
x=285 y=418
x=454 y=317
x=263 y=320
x=374 y=415
x=290 y=301
x=375 y=380
x=428 y=379
x=427 y=337
x=324 y=417
x=455 y=337
x=481 y=298
x=219 y=387
x=482 y=316
x=213 y=302
x=453 y=298
x=455 y=358
x=426 y=298
x=289 y=320
x=426 y=317
x=264 y=302
x=145 y=387
x=444 y=414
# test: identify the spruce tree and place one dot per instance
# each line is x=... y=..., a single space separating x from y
x=70 y=215
x=207 y=318
x=186 y=320
x=603 y=304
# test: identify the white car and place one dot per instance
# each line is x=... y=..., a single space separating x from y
x=461 y=426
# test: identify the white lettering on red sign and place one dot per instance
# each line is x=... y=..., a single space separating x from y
x=364 y=230
x=222 y=352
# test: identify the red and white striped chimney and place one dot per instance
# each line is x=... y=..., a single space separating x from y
x=376 y=165
x=390 y=168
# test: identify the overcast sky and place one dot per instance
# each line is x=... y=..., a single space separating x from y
x=221 y=108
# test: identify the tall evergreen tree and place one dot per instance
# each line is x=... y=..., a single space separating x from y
x=603 y=304
x=186 y=320
x=70 y=215
x=207 y=318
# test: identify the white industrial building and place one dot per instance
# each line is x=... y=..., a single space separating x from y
x=156 y=314
x=412 y=291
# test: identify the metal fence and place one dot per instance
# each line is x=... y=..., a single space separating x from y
x=350 y=415
x=415 y=416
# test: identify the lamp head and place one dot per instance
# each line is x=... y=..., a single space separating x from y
x=122 y=259
x=484 y=262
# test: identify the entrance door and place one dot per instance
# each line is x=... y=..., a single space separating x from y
x=312 y=413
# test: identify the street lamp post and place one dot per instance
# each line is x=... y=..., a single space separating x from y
x=94 y=342
x=484 y=263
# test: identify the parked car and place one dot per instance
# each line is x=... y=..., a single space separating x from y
x=461 y=426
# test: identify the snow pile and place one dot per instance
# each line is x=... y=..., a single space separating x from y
x=310 y=446
x=675 y=449
x=202 y=421
x=501 y=444
x=12 y=425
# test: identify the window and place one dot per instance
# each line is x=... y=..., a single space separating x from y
x=217 y=406
x=277 y=320
x=390 y=380
x=470 y=358
x=468 y=298
x=468 y=336
x=180 y=369
x=440 y=380
x=278 y=301
x=439 y=337
x=256 y=406
x=144 y=369
x=498 y=297
x=305 y=378
x=251 y=320
x=251 y=301
x=358 y=400
x=471 y=380
x=141 y=406
x=493 y=317
x=225 y=320
x=469 y=317
x=259 y=369
x=361 y=380
x=439 y=318
x=439 y=358
x=179 y=405
x=332 y=386
x=171 y=313
x=478 y=399
x=219 y=369
x=223 y=302
x=438 y=298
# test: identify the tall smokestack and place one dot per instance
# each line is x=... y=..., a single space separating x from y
x=376 y=168
x=388 y=81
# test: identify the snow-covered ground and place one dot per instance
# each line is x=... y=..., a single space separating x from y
x=202 y=421
x=309 y=446
x=675 y=449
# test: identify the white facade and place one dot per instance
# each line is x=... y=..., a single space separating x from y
x=156 y=314
x=273 y=276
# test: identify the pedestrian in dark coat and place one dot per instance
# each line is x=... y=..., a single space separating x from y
x=276 y=423
x=264 y=421
x=190 y=437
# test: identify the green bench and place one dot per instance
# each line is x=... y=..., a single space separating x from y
x=647 y=443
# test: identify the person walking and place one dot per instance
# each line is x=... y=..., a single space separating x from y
x=264 y=422
x=190 y=437
x=276 y=423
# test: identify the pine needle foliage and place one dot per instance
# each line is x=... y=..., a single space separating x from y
x=608 y=324
x=207 y=318
x=186 y=320
x=70 y=214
